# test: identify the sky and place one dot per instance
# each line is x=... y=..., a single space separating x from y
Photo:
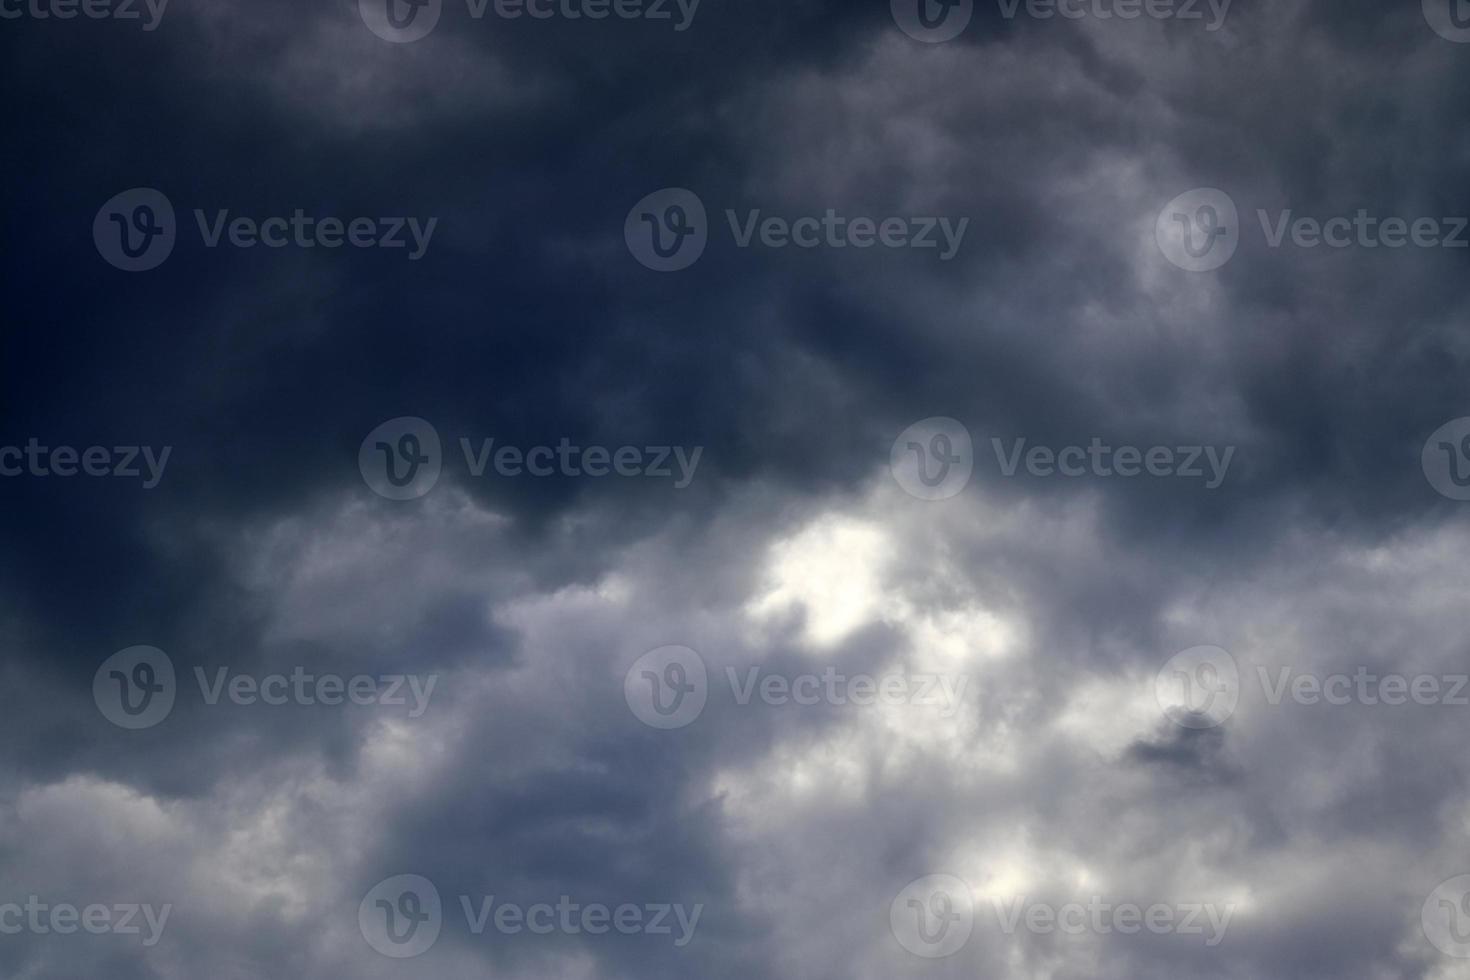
x=612 y=489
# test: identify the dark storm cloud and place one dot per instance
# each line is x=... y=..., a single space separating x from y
x=528 y=320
